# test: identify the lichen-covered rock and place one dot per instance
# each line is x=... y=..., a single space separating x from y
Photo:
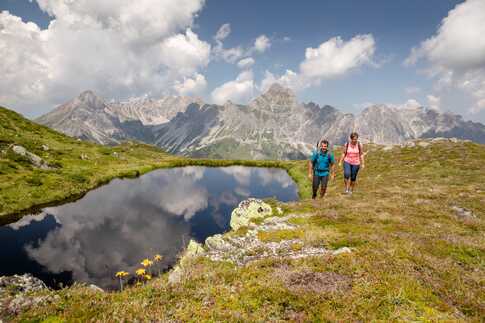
x=15 y=293
x=33 y=158
x=193 y=249
x=21 y=283
x=217 y=242
x=247 y=210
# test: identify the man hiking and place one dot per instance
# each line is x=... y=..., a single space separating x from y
x=320 y=165
x=353 y=158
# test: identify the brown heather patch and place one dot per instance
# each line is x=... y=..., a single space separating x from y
x=302 y=280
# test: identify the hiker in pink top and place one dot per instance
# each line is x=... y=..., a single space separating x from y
x=353 y=158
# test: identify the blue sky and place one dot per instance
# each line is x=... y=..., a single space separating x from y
x=391 y=29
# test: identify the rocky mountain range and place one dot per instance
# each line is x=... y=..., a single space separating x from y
x=273 y=125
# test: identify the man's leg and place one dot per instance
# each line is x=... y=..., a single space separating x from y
x=315 y=183
x=323 y=189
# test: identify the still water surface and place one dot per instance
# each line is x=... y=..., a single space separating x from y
x=115 y=226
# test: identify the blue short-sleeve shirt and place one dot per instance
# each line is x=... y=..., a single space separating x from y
x=322 y=162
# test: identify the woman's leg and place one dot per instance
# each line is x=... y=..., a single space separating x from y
x=353 y=176
x=347 y=174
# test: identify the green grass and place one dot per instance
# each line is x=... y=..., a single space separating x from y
x=413 y=258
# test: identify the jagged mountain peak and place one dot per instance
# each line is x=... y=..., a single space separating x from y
x=279 y=91
x=90 y=99
x=276 y=99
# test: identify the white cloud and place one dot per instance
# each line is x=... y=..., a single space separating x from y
x=336 y=57
x=245 y=63
x=456 y=53
x=119 y=48
x=233 y=54
x=239 y=90
x=223 y=32
x=331 y=59
x=184 y=54
x=191 y=86
x=433 y=102
x=262 y=43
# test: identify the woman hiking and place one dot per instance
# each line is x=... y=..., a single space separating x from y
x=320 y=165
x=353 y=158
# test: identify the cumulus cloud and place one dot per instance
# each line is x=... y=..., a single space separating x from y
x=262 y=43
x=336 y=57
x=245 y=63
x=433 y=102
x=456 y=53
x=119 y=48
x=239 y=90
x=191 y=86
x=331 y=59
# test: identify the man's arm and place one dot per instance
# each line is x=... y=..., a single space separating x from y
x=310 y=169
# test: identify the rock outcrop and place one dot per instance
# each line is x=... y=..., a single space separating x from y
x=244 y=247
x=35 y=160
x=247 y=210
x=17 y=293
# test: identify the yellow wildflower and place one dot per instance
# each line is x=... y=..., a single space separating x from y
x=157 y=257
x=121 y=274
x=140 y=271
x=146 y=262
x=148 y=276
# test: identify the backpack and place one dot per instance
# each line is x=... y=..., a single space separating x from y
x=347 y=148
x=315 y=160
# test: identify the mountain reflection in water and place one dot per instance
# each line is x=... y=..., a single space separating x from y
x=115 y=226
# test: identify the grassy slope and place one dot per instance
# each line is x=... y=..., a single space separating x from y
x=414 y=259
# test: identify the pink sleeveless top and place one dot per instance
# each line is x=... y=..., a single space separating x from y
x=352 y=156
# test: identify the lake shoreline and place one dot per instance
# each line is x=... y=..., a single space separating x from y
x=6 y=218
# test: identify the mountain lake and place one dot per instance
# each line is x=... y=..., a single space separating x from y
x=115 y=226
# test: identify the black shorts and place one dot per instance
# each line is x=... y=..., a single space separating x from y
x=317 y=181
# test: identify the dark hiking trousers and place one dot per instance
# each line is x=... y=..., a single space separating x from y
x=317 y=181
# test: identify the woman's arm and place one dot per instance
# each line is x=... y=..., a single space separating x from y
x=362 y=156
x=341 y=159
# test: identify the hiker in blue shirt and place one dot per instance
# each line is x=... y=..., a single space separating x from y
x=320 y=166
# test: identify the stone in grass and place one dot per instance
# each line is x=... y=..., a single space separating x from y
x=33 y=158
x=193 y=249
x=95 y=288
x=216 y=242
x=247 y=210
x=463 y=213
x=15 y=293
x=342 y=250
x=21 y=283
x=423 y=144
